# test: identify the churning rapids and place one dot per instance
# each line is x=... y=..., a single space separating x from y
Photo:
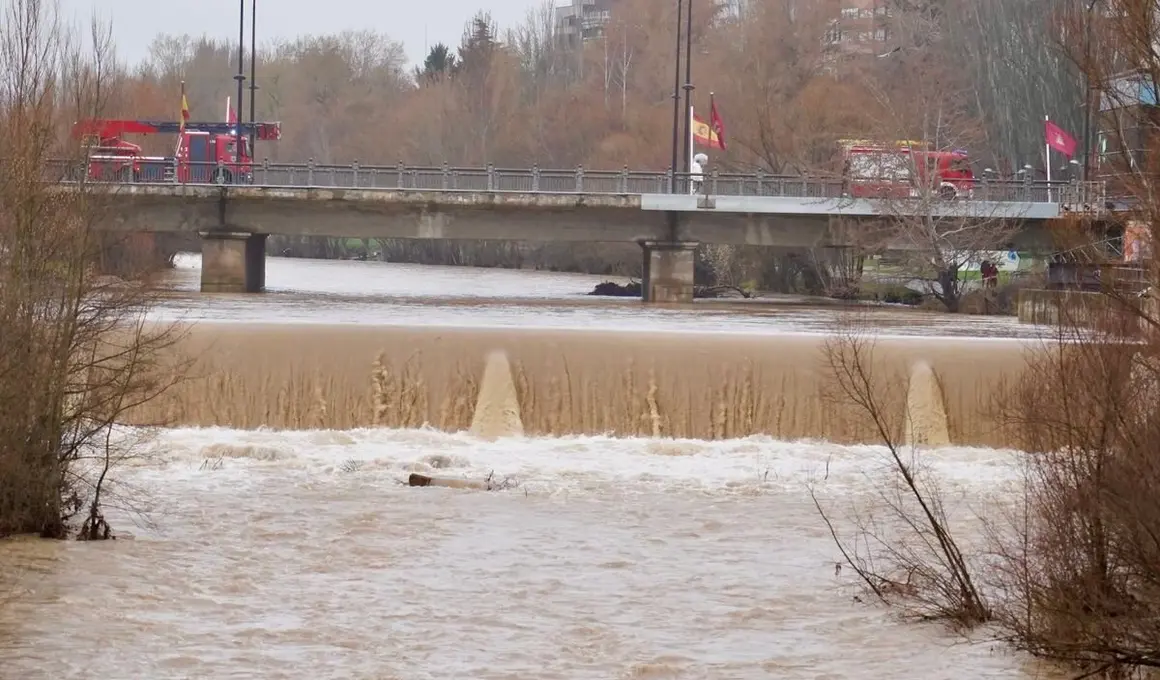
x=266 y=554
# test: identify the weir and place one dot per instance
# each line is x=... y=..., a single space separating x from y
x=568 y=382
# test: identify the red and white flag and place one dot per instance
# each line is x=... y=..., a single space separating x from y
x=1059 y=140
x=716 y=123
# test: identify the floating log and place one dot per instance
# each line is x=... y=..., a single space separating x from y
x=417 y=479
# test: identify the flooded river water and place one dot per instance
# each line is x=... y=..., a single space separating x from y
x=300 y=554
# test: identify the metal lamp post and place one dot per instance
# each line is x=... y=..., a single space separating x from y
x=677 y=101
x=688 y=162
x=1087 y=84
x=241 y=77
x=253 y=73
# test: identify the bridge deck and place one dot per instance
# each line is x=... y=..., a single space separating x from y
x=536 y=205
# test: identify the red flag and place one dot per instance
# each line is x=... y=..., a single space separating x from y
x=716 y=123
x=1059 y=140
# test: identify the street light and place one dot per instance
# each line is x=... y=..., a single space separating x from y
x=688 y=162
x=241 y=78
x=253 y=72
x=1087 y=84
x=677 y=100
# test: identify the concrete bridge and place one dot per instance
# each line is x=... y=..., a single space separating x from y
x=540 y=205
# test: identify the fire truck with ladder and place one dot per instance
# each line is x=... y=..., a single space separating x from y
x=902 y=169
x=205 y=152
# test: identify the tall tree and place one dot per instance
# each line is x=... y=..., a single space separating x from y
x=439 y=63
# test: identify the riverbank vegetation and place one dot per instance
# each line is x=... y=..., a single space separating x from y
x=75 y=351
x=1069 y=567
x=1064 y=564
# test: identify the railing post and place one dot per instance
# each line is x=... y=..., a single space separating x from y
x=446 y=176
x=713 y=186
x=535 y=178
x=399 y=167
x=579 y=179
x=759 y=176
x=265 y=170
x=624 y=180
x=354 y=173
x=670 y=179
x=310 y=172
x=490 y=177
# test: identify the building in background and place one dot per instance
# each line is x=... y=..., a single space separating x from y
x=581 y=20
x=862 y=27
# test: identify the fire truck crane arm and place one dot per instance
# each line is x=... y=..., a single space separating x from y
x=115 y=128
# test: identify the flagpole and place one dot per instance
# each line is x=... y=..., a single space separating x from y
x=693 y=150
x=689 y=145
x=1047 y=155
x=1047 y=149
x=713 y=130
x=182 y=114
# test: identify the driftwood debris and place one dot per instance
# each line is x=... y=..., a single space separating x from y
x=417 y=479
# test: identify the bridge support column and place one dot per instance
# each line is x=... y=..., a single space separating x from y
x=233 y=262
x=668 y=271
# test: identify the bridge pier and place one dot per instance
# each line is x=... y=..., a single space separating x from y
x=233 y=262
x=668 y=271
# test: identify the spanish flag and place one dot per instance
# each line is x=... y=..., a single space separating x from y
x=711 y=134
x=184 y=108
x=705 y=135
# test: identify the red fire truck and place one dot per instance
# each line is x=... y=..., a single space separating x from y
x=205 y=153
x=904 y=169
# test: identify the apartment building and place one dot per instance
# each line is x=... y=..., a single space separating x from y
x=862 y=27
x=581 y=20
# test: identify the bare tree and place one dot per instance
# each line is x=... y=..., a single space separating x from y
x=907 y=552
x=1080 y=557
x=1079 y=560
x=790 y=95
x=78 y=354
x=936 y=217
x=1012 y=51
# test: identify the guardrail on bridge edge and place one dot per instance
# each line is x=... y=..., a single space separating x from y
x=400 y=176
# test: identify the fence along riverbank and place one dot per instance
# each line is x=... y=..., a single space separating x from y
x=702 y=386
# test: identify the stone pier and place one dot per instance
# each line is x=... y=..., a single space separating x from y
x=233 y=262
x=668 y=271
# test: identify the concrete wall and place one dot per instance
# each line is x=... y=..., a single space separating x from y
x=1074 y=308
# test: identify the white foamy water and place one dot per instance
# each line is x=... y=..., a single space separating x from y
x=289 y=555
x=378 y=293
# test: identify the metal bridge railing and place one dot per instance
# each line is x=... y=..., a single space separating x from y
x=533 y=180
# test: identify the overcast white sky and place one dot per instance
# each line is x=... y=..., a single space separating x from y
x=136 y=22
